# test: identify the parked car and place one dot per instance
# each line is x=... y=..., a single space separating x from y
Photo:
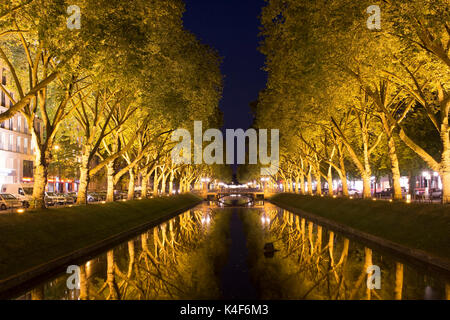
x=74 y=195
x=123 y=195
x=69 y=199
x=7 y=201
x=420 y=192
x=22 y=191
x=93 y=197
x=101 y=195
x=436 y=194
x=119 y=195
x=90 y=197
x=353 y=192
x=389 y=192
x=52 y=198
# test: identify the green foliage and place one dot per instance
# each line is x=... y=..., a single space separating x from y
x=332 y=81
x=65 y=164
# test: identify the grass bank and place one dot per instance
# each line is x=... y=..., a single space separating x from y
x=419 y=226
x=34 y=238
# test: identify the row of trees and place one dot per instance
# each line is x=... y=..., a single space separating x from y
x=118 y=86
x=351 y=99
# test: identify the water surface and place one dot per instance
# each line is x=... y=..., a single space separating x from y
x=248 y=252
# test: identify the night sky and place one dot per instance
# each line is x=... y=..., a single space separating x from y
x=231 y=27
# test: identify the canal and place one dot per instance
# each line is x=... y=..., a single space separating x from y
x=242 y=251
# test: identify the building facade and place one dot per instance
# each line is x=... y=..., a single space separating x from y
x=16 y=147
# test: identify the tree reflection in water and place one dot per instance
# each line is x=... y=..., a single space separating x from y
x=172 y=261
x=182 y=259
x=315 y=263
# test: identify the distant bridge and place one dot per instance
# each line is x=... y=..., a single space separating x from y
x=254 y=194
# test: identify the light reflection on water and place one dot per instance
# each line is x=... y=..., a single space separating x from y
x=288 y=258
x=155 y=265
x=312 y=262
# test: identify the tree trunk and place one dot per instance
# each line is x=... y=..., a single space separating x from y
x=368 y=262
x=330 y=181
x=155 y=183
x=84 y=285
x=398 y=281
x=318 y=182
x=131 y=184
x=110 y=181
x=366 y=186
x=445 y=161
x=367 y=171
x=395 y=169
x=171 y=183
x=343 y=176
x=393 y=158
x=344 y=186
x=445 y=178
x=302 y=184
x=163 y=184
x=40 y=182
x=84 y=179
x=297 y=181
x=144 y=186
x=187 y=186
x=41 y=159
x=111 y=276
x=309 y=179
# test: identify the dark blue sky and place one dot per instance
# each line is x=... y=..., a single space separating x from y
x=231 y=27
